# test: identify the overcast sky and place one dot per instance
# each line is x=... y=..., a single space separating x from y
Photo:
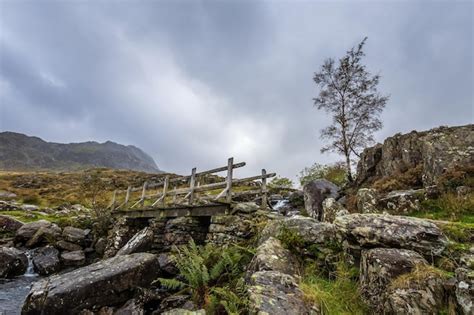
x=194 y=82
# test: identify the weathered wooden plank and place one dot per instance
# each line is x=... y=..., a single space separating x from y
x=264 y=188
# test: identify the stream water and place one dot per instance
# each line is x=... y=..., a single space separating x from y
x=14 y=291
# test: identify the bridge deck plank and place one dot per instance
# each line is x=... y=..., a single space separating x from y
x=177 y=211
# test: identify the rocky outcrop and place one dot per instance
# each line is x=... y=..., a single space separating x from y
x=140 y=242
x=376 y=230
x=13 y=262
x=433 y=151
x=107 y=282
x=314 y=193
x=46 y=260
x=378 y=267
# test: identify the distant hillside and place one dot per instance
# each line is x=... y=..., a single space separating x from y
x=22 y=152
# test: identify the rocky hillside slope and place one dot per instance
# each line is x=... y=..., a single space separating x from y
x=22 y=152
x=422 y=157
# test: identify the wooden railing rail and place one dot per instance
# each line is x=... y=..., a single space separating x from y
x=189 y=193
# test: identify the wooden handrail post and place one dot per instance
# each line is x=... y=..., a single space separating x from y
x=192 y=184
x=114 y=197
x=264 y=188
x=127 y=196
x=165 y=189
x=142 y=199
x=230 y=168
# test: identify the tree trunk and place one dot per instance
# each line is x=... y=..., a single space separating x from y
x=348 y=167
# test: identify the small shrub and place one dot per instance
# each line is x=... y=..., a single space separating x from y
x=280 y=182
x=457 y=176
x=32 y=199
x=411 y=178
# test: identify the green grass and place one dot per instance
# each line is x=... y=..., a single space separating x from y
x=337 y=296
x=447 y=207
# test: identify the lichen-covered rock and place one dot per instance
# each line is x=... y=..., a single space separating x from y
x=10 y=224
x=376 y=230
x=331 y=209
x=378 y=267
x=107 y=282
x=314 y=193
x=13 y=262
x=402 y=201
x=465 y=290
x=272 y=256
x=367 y=200
x=435 y=151
x=132 y=307
x=276 y=293
x=419 y=292
x=309 y=230
x=120 y=234
x=225 y=229
x=245 y=207
x=27 y=230
x=140 y=242
x=46 y=260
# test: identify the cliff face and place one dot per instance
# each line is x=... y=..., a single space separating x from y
x=21 y=152
x=434 y=152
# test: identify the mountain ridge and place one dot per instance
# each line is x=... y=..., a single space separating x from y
x=22 y=152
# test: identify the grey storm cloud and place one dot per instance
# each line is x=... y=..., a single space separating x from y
x=194 y=82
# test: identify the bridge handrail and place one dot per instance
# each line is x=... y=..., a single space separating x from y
x=190 y=191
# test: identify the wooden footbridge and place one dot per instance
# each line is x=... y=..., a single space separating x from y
x=168 y=198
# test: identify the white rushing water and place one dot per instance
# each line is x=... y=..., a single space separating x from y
x=30 y=270
x=280 y=204
x=14 y=291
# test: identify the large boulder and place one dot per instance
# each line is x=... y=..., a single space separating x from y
x=272 y=256
x=433 y=152
x=28 y=230
x=314 y=193
x=13 y=262
x=308 y=230
x=140 y=242
x=9 y=224
x=46 y=260
x=276 y=293
x=107 y=282
x=376 y=230
x=378 y=267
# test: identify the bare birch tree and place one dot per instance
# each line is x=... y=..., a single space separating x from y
x=349 y=93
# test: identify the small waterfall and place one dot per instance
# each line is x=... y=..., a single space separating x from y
x=30 y=270
x=280 y=204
